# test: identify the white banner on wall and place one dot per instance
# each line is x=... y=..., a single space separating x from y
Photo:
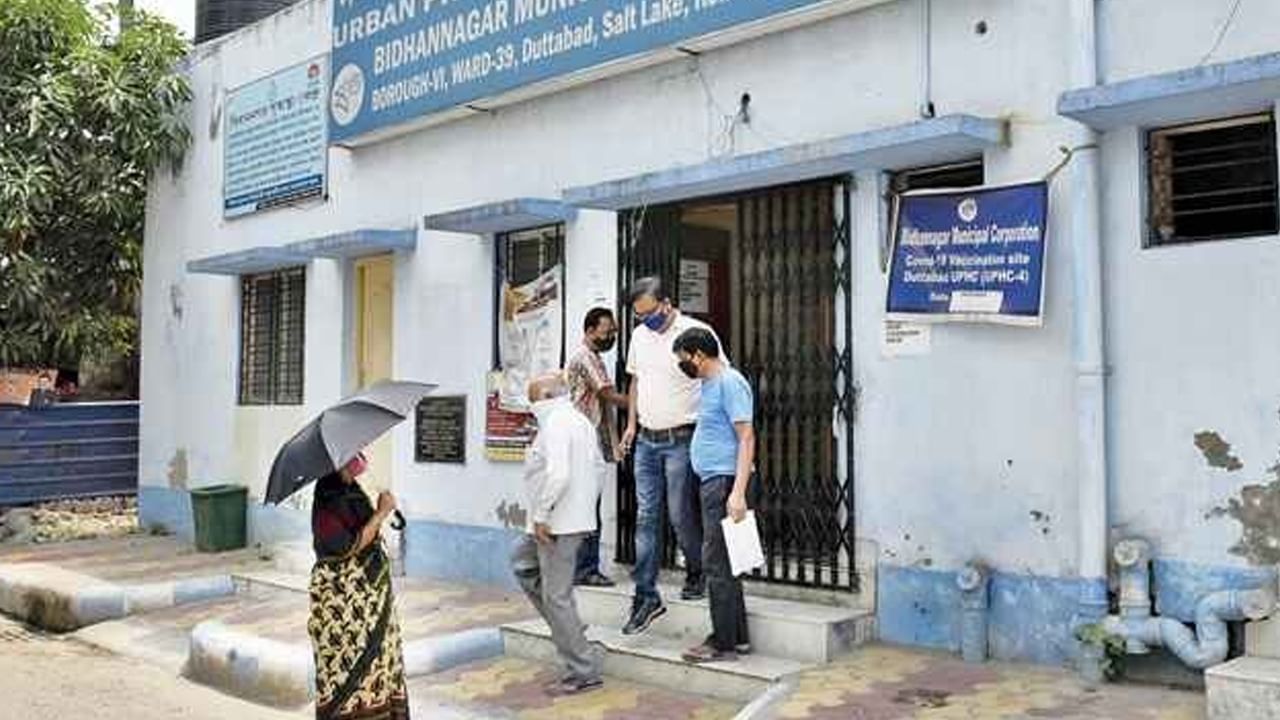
x=274 y=147
x=530 y=338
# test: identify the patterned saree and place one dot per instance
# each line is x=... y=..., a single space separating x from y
x=355 y=633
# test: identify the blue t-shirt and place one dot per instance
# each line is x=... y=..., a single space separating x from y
x=726 y=399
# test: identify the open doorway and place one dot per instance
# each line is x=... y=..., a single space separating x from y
x=769 y=271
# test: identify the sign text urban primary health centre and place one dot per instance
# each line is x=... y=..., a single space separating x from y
x=395 y=60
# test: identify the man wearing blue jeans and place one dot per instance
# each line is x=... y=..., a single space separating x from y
x=662 y=411
x=723 y=453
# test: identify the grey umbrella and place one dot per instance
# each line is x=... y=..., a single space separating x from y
x=334 y=437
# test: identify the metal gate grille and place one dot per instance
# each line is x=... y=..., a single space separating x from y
x=792 y=331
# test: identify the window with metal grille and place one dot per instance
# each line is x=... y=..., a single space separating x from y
x=1212 y=181
x=525 y=256
x=272 y=307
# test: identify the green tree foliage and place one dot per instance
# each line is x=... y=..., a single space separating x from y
x=87 y=114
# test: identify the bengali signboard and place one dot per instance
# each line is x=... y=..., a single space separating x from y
x=275 y=144
x=970 y=255
x=395 y=60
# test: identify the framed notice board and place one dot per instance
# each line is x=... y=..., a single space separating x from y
x=440 y=430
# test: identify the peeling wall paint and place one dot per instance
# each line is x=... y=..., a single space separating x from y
x=512 y=516
x=179 y=472
x=1217 y=452
x=1257 y=508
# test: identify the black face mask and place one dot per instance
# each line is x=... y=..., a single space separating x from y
x=604 y=344
x=688 y=368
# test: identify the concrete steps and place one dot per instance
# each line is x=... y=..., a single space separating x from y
x=786 y=637
x=805 y=632
x=655 y=660
x=1246 y=688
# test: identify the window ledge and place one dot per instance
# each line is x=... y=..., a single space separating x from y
x=247 y=262
x=503 y=216
x=1221 y=90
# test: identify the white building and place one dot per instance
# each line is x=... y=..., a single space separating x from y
x=1027 y=449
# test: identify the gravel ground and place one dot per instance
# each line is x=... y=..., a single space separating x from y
x=44 y=677
x=66 y=520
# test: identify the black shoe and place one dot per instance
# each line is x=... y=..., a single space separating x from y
x=573 y=686
x=643 y=616
x=742 y=648
x=695 y=588
x=594 y=579
x=705 y=653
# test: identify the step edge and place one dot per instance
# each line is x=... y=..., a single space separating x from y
x=731 y=669
x=844 y=614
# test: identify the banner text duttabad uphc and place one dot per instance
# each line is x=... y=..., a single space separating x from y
x=973 y=255
x=396 y=60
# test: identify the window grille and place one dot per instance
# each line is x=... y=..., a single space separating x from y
x=1212 y=181
x=272 y=319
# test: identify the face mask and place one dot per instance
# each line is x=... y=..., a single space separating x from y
x=604 y=345
x=688 y=368
x=655 y=320
x=357 y=465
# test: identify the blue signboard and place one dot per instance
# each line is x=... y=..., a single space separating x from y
x=395 y=60
x=274 y=149
x=975 y=254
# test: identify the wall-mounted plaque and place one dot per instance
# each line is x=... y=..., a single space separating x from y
x=440 y=434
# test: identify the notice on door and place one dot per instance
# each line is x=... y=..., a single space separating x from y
x=695 y=286
x=441 y=430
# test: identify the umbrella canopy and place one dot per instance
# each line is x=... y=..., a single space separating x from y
x=334 y=437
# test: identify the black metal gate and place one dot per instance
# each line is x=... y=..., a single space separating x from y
x=792 y=337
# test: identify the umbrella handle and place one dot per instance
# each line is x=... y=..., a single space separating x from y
x=397 y=521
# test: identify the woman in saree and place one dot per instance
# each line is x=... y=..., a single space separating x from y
x=355 y=633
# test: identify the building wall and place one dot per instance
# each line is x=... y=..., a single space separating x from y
x=965 y=454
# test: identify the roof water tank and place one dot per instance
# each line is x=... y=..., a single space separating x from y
x=215 y=18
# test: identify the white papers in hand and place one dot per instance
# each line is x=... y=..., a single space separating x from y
x=743 y=542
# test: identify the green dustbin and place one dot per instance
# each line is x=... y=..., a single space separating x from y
x=219 y=513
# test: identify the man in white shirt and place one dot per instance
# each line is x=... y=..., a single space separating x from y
x=563 y=471
x=660 y=422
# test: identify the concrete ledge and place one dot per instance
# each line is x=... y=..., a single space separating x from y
x=656 y=660
x=282 y=674
x=251 y=667
x=804 y=632
x=1247 y=688
x=59 y=600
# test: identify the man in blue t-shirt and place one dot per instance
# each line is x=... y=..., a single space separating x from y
x=722 y=452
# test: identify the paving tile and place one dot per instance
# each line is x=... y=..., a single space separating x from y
x=513 y=687
x=885 y=683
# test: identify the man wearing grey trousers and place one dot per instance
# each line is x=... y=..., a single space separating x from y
x=563 y=472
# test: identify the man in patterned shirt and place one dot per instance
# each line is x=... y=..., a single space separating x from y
x=593 y=393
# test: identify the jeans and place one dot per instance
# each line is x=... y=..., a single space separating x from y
x=728 y=609
x=662 y=469
x=589 y=552
x=545 y=573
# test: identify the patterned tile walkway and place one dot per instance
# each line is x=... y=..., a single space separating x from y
x=884 y=683
x=512 y=688
x=878 y=683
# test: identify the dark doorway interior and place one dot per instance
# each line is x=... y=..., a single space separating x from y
x=768 y=269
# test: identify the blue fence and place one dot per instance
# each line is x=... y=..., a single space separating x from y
x=68 y=451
